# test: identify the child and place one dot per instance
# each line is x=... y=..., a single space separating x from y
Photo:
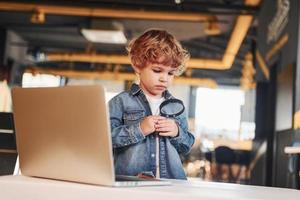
x=143 y=141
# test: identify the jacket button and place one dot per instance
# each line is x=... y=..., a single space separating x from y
x=152 y=155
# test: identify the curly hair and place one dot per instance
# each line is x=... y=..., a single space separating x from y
x=158 y=46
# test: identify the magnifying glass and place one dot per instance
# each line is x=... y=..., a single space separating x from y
x=171 y=108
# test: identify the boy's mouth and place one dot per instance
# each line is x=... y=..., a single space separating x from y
x=160 y=87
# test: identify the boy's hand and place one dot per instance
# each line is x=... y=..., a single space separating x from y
x=167 y=127
x=148 y=124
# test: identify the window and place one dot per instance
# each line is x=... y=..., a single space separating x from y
x=218 y=112
x=112 y=88
x=109 y=96
x=40 y=80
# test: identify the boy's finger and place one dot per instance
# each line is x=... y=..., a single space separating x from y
x=158 y=117
x=162 y=129
x=161 y=125
x=165 y=122
x=168 y=133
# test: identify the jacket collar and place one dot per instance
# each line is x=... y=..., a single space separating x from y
x=135 y=89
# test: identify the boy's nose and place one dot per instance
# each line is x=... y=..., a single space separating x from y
x=163 y=78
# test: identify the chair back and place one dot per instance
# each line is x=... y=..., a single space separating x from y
x=8 y=149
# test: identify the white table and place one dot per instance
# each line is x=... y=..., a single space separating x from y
x=23 y=188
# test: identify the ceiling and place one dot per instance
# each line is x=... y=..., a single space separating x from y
x=60 y=33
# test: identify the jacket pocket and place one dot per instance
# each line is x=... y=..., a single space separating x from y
x=133 y=116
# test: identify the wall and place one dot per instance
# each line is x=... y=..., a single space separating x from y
x=281 y=93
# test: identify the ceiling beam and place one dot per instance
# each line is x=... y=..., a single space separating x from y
x=104 y=12
x=238 y=34
x=118 y=76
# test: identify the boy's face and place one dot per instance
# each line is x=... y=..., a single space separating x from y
x=155 y=78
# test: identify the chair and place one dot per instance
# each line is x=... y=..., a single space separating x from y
x=8 y=150
x=224 y=158
x=243 y=159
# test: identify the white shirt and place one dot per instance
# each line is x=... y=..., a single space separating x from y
x=154 y=104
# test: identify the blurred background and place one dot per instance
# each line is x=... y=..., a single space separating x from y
x=241 y=86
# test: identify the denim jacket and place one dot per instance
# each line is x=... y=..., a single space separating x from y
x=135 y=153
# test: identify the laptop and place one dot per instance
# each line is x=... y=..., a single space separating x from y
x=64 y=133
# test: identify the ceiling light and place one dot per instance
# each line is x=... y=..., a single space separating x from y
x=38 y=17
x=212 y=29
x=104 y=36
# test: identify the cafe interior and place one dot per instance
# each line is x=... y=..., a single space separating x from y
x=240 y=89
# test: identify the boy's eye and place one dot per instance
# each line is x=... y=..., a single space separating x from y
x=171 y=73
x=156 y=70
